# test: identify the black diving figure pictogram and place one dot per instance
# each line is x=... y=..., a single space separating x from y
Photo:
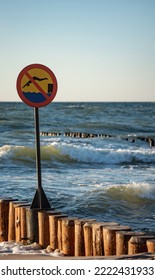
x=36 y=79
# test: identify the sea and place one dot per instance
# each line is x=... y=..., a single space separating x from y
x=97 y=160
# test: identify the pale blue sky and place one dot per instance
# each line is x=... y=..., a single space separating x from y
x=99 y=50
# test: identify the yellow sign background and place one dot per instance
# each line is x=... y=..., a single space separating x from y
x=39 y=73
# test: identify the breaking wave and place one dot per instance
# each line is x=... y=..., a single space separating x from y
x=132 y=192
x=81 y=153
x=108 y=155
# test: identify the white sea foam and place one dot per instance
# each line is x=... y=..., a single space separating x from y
x=8 y=247
x=5 y=150
x=108 y=155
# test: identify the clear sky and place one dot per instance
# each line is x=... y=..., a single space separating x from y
x=99 y=50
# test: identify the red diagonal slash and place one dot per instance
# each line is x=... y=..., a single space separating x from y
x=36 y=85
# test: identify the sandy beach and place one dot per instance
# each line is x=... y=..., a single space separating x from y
x=142 y=256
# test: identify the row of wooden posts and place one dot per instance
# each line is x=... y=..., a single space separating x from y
x=72 y=236
x=151 y=141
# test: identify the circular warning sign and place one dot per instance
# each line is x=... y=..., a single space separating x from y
x=36 y=85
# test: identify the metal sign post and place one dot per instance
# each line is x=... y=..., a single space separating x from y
x=40 y=200
x=37 y=87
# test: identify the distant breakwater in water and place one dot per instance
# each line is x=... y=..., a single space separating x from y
x=150 y=141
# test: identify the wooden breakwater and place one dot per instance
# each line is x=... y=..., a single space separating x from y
x=132 y=139
x=71 y=235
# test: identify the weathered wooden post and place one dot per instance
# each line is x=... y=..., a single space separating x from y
x=68 y=234
x=43 y=224
x=79 y=237
x=60 y=234
x=97 y=239
x=32 y=225
x=122 y=238
x=18 y=222
x=88 y=239
x=11 y=226
x=150 y=245
x=53 y=224
x=24 y=237
x=109 y=238
x=4 y=218
x=137 y=244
